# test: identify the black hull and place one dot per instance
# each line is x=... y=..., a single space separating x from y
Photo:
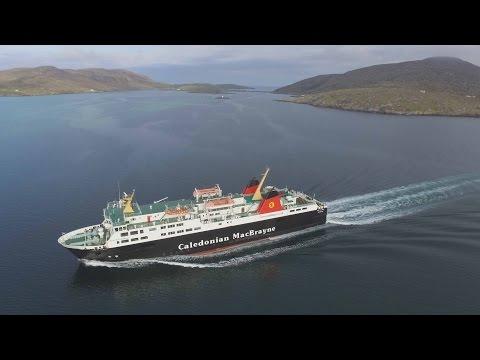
x=184 y=245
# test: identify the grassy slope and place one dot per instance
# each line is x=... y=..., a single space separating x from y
x=392 y=100
x=433 y=86
x=49 y=80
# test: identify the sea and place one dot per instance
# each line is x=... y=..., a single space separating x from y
x=403 y=195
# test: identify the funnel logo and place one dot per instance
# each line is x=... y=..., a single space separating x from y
x=271 y=204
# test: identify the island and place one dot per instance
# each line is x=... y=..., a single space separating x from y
x=210 y=88
x=433 y=86
x=49 y=80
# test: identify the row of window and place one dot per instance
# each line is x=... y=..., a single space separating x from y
x=134 y=232
x=133 y=239
x=162 y=234
x=141 y=231
x=293 y=210
x=222 y=208
x=179 y=231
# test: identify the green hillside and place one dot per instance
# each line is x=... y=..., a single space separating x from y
x=433 y=86
x=49 y=80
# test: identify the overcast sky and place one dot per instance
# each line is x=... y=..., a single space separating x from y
x=269 y=65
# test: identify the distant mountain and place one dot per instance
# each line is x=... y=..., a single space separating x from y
x=49 y=80
x=433 y=86
x=46 y=80
x=209 y=88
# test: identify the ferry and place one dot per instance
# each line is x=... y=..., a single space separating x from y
x=207 y=222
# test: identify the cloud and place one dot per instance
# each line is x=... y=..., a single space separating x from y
x=268 y=64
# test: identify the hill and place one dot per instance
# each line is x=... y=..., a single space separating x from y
x=433 y=86
x=47 y=80
x=209 y=88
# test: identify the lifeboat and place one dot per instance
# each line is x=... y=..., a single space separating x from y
x=178 y=211
x=219 y=202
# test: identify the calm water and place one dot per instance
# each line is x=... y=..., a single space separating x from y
x=403 y=194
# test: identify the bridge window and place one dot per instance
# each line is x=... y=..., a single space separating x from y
x=152 y=229
x=133 y=232
x=126 y=240
x=197 y=228
x=171 y=233
x=170 y=226
x=187 y=230
x=179 y=231
x=144 y=237
x=124 y=234
x=163 y=234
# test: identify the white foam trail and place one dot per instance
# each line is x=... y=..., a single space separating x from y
x=399 y=201
x=235 y=261
x=354 y=210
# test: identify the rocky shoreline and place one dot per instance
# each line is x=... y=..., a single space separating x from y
x=381 y=111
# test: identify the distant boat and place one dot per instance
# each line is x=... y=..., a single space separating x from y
x=222 y=97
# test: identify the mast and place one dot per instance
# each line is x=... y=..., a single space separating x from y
x=118 y=186
x=127 y=203
x=258 y=194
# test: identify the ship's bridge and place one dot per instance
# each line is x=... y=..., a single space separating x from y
x=207 y=193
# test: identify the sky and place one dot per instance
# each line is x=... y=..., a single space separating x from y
x=254 y=65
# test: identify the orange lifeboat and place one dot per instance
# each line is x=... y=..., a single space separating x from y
x=178 y=211
x=219 y=202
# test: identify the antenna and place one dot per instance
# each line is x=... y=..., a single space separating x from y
x=118 y=186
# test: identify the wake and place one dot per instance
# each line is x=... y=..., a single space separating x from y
x=355 y=210
x=400 y=201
